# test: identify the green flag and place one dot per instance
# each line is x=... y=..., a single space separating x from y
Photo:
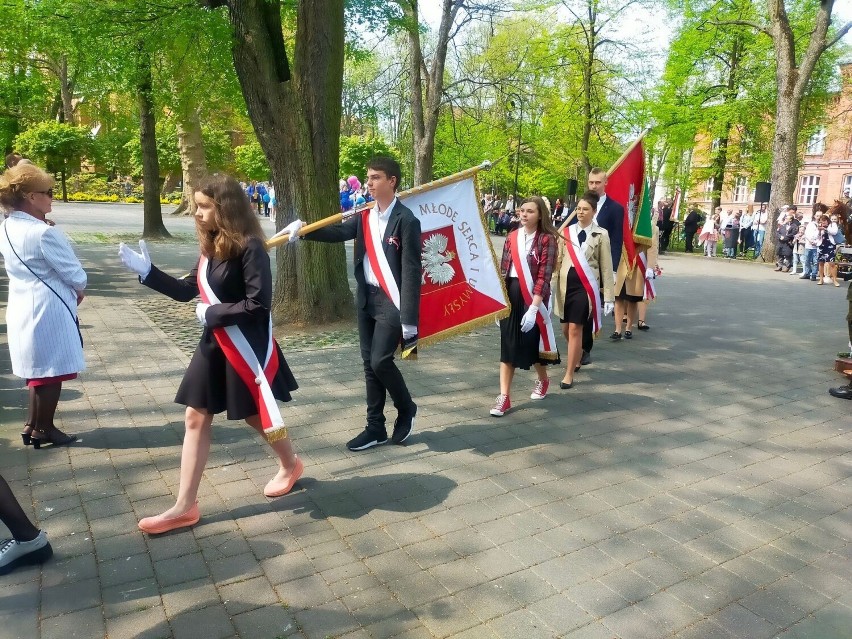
x=643 y=228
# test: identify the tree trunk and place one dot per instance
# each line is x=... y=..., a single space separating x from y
x=66 y=90
x=719 y=165
x=152 y=209
x=589 y=58
x=792 y=80
x=298 y=126
x=425 y=109
x=192 y=160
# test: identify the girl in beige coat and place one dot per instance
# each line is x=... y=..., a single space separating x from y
x=572 y=302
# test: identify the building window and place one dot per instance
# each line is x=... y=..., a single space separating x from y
x=741 y=189
x=809 y=190
x=847 y=185
x=816 y=143
x=708 y=188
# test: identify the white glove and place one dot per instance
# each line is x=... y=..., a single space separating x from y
x=201 y=313
x=408 y=331
x=528 y=320
x=608 y=308
x=139 y=263
x=650 y=274
x=293 y=230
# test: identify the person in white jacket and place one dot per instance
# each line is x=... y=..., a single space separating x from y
x=46 y=283
x=811 y=237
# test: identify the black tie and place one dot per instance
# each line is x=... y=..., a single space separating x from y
x=581 y=237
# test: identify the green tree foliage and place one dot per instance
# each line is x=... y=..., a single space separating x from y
x=355 y=153
x=250 y=162
x=58 y=147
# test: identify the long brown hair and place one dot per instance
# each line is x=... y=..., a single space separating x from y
x=545 y=224
x=235 y=219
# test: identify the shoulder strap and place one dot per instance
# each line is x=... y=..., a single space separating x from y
x=70 y=312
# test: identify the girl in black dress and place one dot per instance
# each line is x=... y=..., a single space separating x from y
x=520 y=337
x=238 y=273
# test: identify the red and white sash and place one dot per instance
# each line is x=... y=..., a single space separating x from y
x=547 y=340
x=241 y=356
x=376 y=254
x=586 y=275
x=649 y=290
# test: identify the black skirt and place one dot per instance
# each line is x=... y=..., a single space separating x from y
x=624 y=297
x=211 y=383
x=517 y=348
x=576 y=309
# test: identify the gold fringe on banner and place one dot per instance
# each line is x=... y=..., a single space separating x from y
x=277 y=435
x=471 y=325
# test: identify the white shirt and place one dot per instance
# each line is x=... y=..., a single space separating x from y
x=525 y=243
x=811 y=235
x=378 y=221
x=600 y=206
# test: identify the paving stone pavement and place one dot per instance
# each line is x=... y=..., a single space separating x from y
x=694 y=484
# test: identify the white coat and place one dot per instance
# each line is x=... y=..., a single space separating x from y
x=42 y=334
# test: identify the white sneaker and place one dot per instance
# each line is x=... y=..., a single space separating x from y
x=21 y=553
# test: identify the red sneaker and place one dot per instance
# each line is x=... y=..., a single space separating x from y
x=501 y=405
x=540 y=389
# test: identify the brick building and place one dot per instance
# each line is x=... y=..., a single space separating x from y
x=826 y=166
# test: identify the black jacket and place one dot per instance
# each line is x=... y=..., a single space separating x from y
x=691 y=222
x=611 y=217
x=401 y=244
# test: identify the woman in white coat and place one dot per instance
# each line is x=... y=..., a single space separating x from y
x=46 y=283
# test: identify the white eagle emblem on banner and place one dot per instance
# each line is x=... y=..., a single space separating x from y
x=436 y=260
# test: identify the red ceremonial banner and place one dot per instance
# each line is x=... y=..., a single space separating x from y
x=624 y=185
x=450 y=301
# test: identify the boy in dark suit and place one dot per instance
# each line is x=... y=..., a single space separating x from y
x=610 y=216
x=388 y=272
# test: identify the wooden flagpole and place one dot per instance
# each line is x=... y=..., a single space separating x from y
x=279 y=239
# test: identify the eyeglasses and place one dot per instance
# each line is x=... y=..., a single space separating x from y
x=48 y=193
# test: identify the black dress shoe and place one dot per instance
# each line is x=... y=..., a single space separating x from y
x=586 y=358
x=404 y=425
x=843 y=392
x=615 y=336
x=628 y=334
x=577 y=368
x=565 y=386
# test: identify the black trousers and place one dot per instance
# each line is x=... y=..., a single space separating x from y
x=665 y=238
x=689 y=235
x=380 y=331
x=588 y=336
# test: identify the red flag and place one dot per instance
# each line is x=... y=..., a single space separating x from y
x=624 y=185
x=676 y=204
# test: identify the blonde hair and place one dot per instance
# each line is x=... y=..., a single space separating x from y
x=21 y=179
x=235 y=220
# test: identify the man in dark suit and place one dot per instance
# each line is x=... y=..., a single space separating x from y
x=382 y=321
x=610 y=216
x=666 y=225
x=690 y=226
